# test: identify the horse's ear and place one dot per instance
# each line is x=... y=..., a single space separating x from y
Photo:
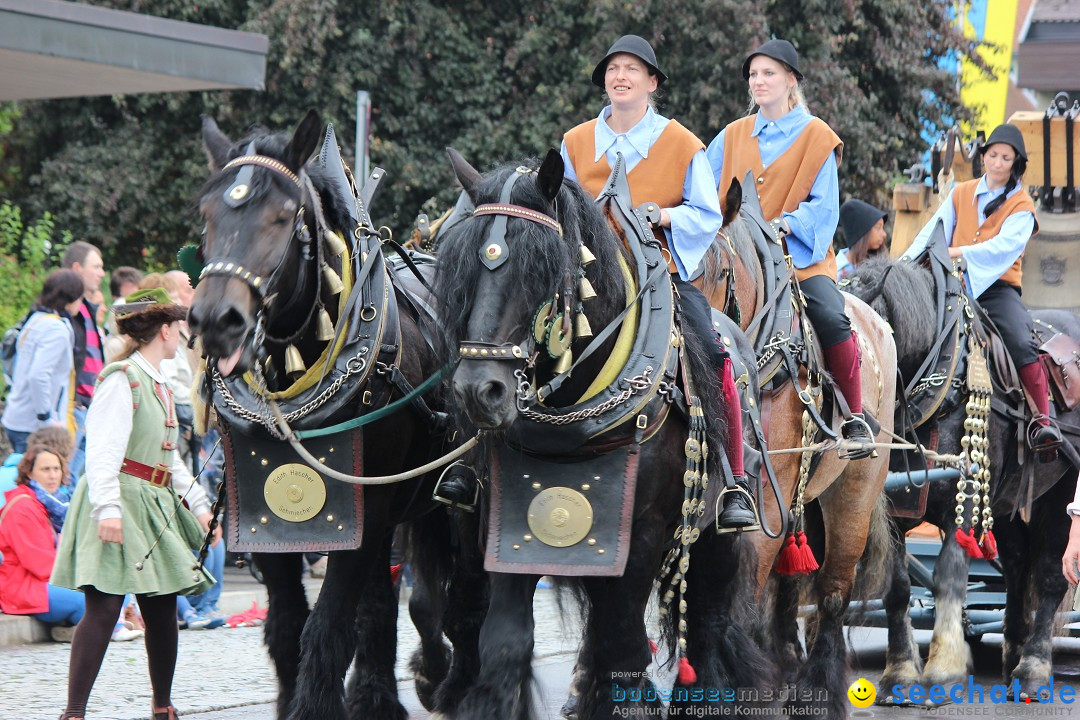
x=218 y=146
x=732 y=201
x=466 y=173
x=550 y=175
x=303 y=142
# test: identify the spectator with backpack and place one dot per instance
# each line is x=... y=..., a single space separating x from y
x=42 y=376
x=89 y=353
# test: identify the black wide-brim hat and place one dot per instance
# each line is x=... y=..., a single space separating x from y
x=777 y=49
x=635 y=45
x=1008 y=134
x=857 y=217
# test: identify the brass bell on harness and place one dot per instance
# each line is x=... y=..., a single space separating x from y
x=582 y=329
x=334 y=244
x=294 y=363
x=585 y=289
x=324 y=326
x=564 y=363
x=331 y=280
x=586 y=256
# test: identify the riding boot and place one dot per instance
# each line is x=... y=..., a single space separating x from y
x=842 y=361
x=458 y=487
x=739 y=511
x=1043 y=435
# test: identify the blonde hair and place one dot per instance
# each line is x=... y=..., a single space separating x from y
x=795 y=96
x=159 y=280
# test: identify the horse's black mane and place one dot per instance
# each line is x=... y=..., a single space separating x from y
x=906 y=301
x=537 y=255
x=273 y=144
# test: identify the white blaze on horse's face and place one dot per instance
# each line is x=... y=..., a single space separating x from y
x=627 y=81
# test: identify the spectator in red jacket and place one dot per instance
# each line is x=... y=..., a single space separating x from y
x=29 y=529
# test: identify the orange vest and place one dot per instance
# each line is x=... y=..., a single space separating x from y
x=658 y=178
x=968 y=231
x=785 y=184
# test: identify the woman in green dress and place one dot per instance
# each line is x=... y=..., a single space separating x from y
x=127 y=531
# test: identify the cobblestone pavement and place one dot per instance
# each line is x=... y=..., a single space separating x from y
x=216 y=670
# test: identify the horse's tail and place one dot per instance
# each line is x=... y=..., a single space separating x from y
x=875 y=568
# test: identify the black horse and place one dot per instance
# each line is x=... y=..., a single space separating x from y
x=494 y=272
x=1030 y=543
x=271 y=265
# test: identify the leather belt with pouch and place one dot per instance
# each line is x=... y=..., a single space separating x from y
x=159 y=475
x=1061 y=359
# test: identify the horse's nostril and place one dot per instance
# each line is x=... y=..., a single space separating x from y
x=493 y=393
x=232 y=317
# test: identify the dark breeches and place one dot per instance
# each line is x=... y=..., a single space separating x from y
x=1002 y=303
x=825 y=308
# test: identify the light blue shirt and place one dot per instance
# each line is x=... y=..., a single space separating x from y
x=694 y=223
x=986 y=261
x=813 y=223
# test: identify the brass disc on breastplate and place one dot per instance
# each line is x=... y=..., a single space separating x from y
x=294 y=492
x=560 y=516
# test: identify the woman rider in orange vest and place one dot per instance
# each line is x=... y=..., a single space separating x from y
x=793 y=156
x=988 y=222
x=665 y=164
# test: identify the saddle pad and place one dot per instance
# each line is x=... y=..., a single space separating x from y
x=561 y=518
x=279 y=504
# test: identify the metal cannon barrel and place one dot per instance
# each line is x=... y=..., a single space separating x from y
x=897 y=481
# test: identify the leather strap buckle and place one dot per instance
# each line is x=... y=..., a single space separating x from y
x=160 y=476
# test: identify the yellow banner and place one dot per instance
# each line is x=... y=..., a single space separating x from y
x=994 y=23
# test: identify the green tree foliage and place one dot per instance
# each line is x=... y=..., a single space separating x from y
x=498 y=80
x=25 y=252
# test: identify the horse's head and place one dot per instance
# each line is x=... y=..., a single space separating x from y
x=511 y=282
x=256 y=247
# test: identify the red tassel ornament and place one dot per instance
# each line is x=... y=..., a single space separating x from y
x=966 y=540
x=687 y=674
x=989 y=545
x=788 y=561
x=395 y=573
x=807 y=562
x=652 y=646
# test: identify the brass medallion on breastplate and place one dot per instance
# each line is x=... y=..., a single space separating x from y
x=294 y=492
x=560 y=516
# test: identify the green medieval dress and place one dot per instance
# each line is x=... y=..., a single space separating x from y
x=83 y=559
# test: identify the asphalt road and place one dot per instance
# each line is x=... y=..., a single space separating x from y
x=225 y=674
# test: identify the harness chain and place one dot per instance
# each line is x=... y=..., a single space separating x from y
x=695 y=482
x=637 y=384
x=975 y=468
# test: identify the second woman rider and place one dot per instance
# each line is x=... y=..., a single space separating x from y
x=666 y=164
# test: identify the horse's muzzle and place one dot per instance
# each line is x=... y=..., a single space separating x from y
x=489 y=402
x=224 y=329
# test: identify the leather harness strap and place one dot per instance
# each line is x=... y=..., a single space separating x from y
x=519 y=211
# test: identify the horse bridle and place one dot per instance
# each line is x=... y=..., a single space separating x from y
x=494 y=253
x=236 y=195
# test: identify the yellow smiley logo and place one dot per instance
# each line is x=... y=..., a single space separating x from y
x=862 y=693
